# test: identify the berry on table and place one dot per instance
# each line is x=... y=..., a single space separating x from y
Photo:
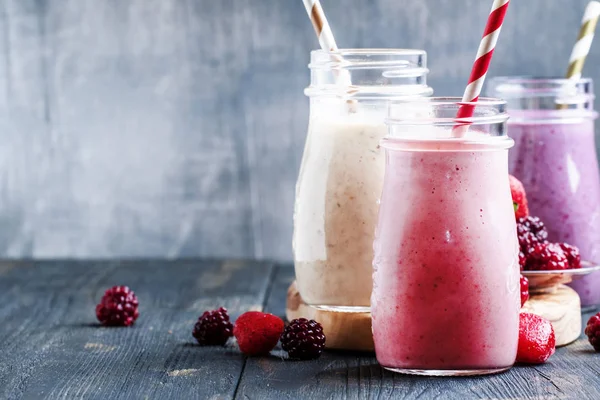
x=213 y=328
x=257 y=333
x=524 y=290
x=546 y=257
x=118 y=307
x=536 y=339
x=592 y=330
x=303 y=339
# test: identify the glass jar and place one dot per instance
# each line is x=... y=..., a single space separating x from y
x=341 y=175
x=552 y=123
x=446 y=273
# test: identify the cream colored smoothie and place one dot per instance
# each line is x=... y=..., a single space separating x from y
x=341 y=176
x=336 y=208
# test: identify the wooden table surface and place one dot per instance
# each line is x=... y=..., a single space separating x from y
x=52 y=347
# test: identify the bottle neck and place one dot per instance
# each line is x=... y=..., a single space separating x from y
x=369 y=74
x=547 y=100
x=431 y=124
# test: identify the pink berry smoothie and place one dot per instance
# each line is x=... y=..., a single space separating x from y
x=446 y=273
x=558 y=166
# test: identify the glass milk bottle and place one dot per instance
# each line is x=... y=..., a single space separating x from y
x=552 y=124
x=341 y=175
x=446 y=272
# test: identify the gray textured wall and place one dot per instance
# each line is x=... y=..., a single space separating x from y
x=175 y=127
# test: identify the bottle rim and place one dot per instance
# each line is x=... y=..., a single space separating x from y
x=368 y=58
x=511 y=87
x=428 y=124
x=371 y=73
x=534 y=99
x=533 y=79
x=418 y=111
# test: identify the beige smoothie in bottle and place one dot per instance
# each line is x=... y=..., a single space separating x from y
x=336 y=209
x=341 y=176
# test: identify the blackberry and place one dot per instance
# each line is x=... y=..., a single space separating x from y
x=592 y=330
x=530 y=231
x=213 y=328
x=546 y=257
x=573 y=256
x=533 y=225
x=524 y=290
x=118 y=307
x=303 y=339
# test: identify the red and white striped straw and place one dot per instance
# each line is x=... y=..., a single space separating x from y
x=482 y=61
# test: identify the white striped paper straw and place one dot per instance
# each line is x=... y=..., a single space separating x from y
x=584 y=40
x=325 y=36
x=319 y=22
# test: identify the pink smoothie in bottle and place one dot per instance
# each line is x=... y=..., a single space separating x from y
x=445 y=298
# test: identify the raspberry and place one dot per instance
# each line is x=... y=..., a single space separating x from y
x=573 y=256
x=536 y=339
x=118 y=307
x=546 y=257
x=213 y=328
x=303 y=339
x=592 y=330
x=530 y=231
x=519 y=199
x=522 y=260
x=257 y=333
x=524 y=290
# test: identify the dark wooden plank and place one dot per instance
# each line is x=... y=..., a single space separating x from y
x=572 y=373
x=51 y=346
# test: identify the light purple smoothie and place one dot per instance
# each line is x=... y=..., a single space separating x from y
x=556 y=161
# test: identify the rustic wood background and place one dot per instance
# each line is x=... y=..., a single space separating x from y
x=174 y=128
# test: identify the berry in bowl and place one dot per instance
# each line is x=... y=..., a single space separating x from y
x=544 y=263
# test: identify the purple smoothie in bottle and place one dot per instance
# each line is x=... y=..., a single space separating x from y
x=555 y=158
x=558 y=166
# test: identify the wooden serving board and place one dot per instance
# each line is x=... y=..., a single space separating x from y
x=562 y=308
x=344 y=331
x=352 y=331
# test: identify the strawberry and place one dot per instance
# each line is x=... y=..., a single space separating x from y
x=257 y=333
x=519 y=198
x=536 y=339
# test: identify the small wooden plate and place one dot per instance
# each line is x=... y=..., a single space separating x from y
x=352 y=331
x=562 y=308
x=344 y=331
